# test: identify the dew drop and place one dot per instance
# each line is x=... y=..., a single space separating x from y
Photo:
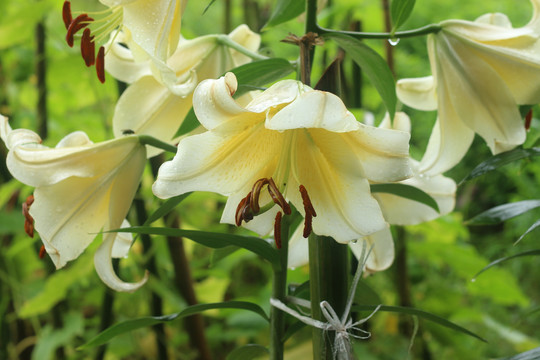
x=393 y=41
x=354 y=241
x=293 y=268
x=473 y=280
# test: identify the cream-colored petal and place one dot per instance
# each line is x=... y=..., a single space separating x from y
x=40 y=166
x=149 y=108
x=298 y=249
x=479 y=96
x=382 y=250
x=401 y=211
x=154 y=25
x=341 y=197
x=104 y=268
x=122 y=242
x=248 y=39
x=282 y=92
x=120 y=62
x=223 y=163
x=213 y=103
x=314 y=109
x=418 y=93
x=400 y=122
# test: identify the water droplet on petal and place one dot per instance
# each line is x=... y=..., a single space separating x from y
x=393 y=41
x=354 y=241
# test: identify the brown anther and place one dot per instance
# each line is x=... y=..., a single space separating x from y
x=308 y=228
x=42 y=252
x=66 y=14
x=80 y=22
x=277 y=230
x=240 y=210
x=528 y=119
x=277 y=197
x=28 y=219
x=88 y=48
x=308 y=206
x=255 y=194
x=247 y=211
x=100 y=64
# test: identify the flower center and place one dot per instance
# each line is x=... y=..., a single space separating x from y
x=97 y=29
x=249 y=207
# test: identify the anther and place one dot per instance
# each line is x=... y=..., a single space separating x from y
x=277 y=230
x=239 y=216
x=42 y=252
x=80 y=22
x=256 y=192
x=66 y=14
x=277 y=197
x=100 y=64
x=88 y=48
x=28 y=219
x=309 y=210
x=528 y=119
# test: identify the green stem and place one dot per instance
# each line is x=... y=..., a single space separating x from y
x=279 y=291
x=152 y=141
x=328 y=278
x=425 y=30
x=225 y=40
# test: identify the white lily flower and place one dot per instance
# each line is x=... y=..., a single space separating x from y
x=148 y=107
x=152 y=28
x=396 y=210
x=81 y=188
x=299 y=138
x=482 y=71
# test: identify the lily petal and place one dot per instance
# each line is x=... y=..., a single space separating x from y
x=382 y=250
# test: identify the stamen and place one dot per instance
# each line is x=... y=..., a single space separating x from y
x=42 y=252
x=277 y=197
x=100 y=64
x=66 y=14
x=528 y=119
x=277 y=230
x=240 y=210
x=308 y=206
x=80 y=22
x=29 y=220
x=88 y=48
x=256 y=192
x=247 y=211
x=309 y=210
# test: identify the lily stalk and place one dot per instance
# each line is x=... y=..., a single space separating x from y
x=279 y=289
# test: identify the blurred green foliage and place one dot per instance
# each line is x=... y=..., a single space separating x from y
x=47 y=314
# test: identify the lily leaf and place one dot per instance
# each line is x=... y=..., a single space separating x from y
x=421 y=314
x=533 y=226
x=501 y=260
x=249 y=351
x=285 y=10
x=254 y=75
x=499 y=160
x=213 y=240
x=190 y=123
x=130 y=325
x=400 y=10
x=166 y=208
x=503 y=212
x=408 y=192
x=533 y=354
x=373 y=65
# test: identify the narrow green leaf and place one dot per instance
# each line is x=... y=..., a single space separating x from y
x=130 y=325
x=222 y=253
x=208 y=6
x=501 y=260
x=373 y=65
x=503 y=212
x=421 y=314
x=499 y=160
x=285 y=10
x=249 y=351
x=406 y=191
x=166 y=208
x=533 y=354
x=400 y=10
x=253 y=75
x=213 y=240
x=533 y=226
x=190 y=123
